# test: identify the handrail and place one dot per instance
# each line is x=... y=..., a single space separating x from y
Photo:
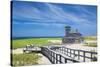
x=55 y=57
x=67 y=51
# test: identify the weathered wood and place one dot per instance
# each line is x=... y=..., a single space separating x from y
x=61 y=54
x=91 y=56
x=56 y=58
x=68 y=52
x=65 y=60
x=78 y=54
x=84 y=56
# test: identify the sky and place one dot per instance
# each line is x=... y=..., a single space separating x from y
x=36 y=19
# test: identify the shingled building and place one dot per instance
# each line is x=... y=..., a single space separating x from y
x=72 y=36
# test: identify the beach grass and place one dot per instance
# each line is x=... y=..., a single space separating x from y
x=90 y=38
x=91 y=44
x=19 y=43
x=25 y=59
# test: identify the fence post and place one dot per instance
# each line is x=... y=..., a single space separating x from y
x=56 y=58
x=64 y=50
x=78 y=54
x=74 y=54
x=60 y=58
x=65 y=60
x=61 y=49
x=51 y=56
x=67 y=52
x=84 y=56
x=91 y=56
x=70 y=52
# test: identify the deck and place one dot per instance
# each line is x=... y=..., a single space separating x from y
x=61 y=54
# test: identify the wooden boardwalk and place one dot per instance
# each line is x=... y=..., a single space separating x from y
x=31 y=48
x=61 y=54
x=79 y=55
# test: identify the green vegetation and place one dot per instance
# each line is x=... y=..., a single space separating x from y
x=90 y=41
x=91 y=44
x=25 y=59
x=18 y=43
x=36 y=41
x=90 y=38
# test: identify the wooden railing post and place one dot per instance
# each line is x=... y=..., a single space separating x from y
x=65 y=60
x=56 y=58
x=78 y=54
x=83 y=56
x=50 y=55
x=60 y=59
x=53 y=58
x=74 y=54
x=91 y=56
x=67 y=52
x=62 y=50
x=70 y=52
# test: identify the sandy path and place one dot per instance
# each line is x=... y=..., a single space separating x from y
x=17 y=51
x=43 y=60
x=81 y=47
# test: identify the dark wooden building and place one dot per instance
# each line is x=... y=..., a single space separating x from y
x=72 y=36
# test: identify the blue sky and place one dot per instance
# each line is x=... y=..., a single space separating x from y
x=48 y=19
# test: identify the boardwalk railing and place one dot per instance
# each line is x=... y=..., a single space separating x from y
x=55 y=57
x=32 y=48
x=61 y=54
x=79 y=55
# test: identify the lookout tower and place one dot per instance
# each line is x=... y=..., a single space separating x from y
x=72 y=36
x=67 y=30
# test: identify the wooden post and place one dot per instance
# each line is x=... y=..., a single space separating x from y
x=78 y=54
x=64 y=50
x=56 y=58
x=60 y=59
x=65 y=60
x=53 y=59
x=70 y=52
x=60 y=49
x=84 y=56
x=51 y=56
x=91 y=56
x=67 y=52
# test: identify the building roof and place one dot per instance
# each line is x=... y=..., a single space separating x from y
x=67 y=26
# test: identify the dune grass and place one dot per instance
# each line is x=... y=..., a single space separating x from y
x=36 y=41
x=90 y=38
x=25 y=59
x=91 y=44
